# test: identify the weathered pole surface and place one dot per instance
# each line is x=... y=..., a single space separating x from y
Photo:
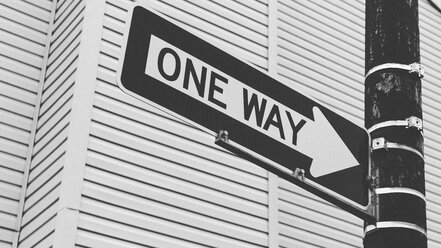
x=392 y=101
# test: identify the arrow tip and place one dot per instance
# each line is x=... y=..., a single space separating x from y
x=332 y=154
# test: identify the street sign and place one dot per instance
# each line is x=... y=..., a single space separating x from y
x=201 y=84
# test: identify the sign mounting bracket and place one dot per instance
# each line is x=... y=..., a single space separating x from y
x=297 y=177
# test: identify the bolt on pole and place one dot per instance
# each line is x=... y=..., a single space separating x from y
x=393 y=116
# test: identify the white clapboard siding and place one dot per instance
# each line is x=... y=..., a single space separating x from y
x=46 y=168
x=241 y=31
x=153 y=181
x=320 y=52
x=430 y=33
x=324 y=55
x=23 y=37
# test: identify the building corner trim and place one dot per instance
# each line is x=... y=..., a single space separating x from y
x=80 y=122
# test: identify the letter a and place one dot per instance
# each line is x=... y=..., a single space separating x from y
x=277 y=122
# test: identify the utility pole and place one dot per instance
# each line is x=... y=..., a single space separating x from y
x=393 y=117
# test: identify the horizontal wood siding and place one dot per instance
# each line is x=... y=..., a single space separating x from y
x=153 y=181
x=241 y=28
x=23 y=37
x=321 y=53
x=43 y=189
x=430 y=33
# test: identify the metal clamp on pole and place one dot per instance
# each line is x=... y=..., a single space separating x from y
x=381 y=143
x=411 y=122
x=412 y=68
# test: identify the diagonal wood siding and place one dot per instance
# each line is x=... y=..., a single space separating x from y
x=23 y=36
x=46 y=167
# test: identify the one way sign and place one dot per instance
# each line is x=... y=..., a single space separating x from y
x=184 y=75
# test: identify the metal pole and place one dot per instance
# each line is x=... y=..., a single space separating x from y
x=393 y=117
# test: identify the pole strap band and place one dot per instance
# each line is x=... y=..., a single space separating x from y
x=412 y=121
x=399 y=190
x=394 y=224
x=382 y=143
x=412 y=68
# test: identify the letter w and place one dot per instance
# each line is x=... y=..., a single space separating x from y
x=253 y=104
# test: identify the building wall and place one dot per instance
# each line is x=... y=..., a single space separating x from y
x=46 y=168
x=24 y=27
x=324 y=55
x=320 y=51
x=430 y=31
x=150 y=179
x=97 y=168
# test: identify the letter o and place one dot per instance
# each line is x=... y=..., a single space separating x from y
x=177 y=70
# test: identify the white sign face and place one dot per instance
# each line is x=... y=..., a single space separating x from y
x=201 y=81
x=177 y=72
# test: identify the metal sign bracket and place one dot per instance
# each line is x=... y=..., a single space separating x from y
x=298 y=178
